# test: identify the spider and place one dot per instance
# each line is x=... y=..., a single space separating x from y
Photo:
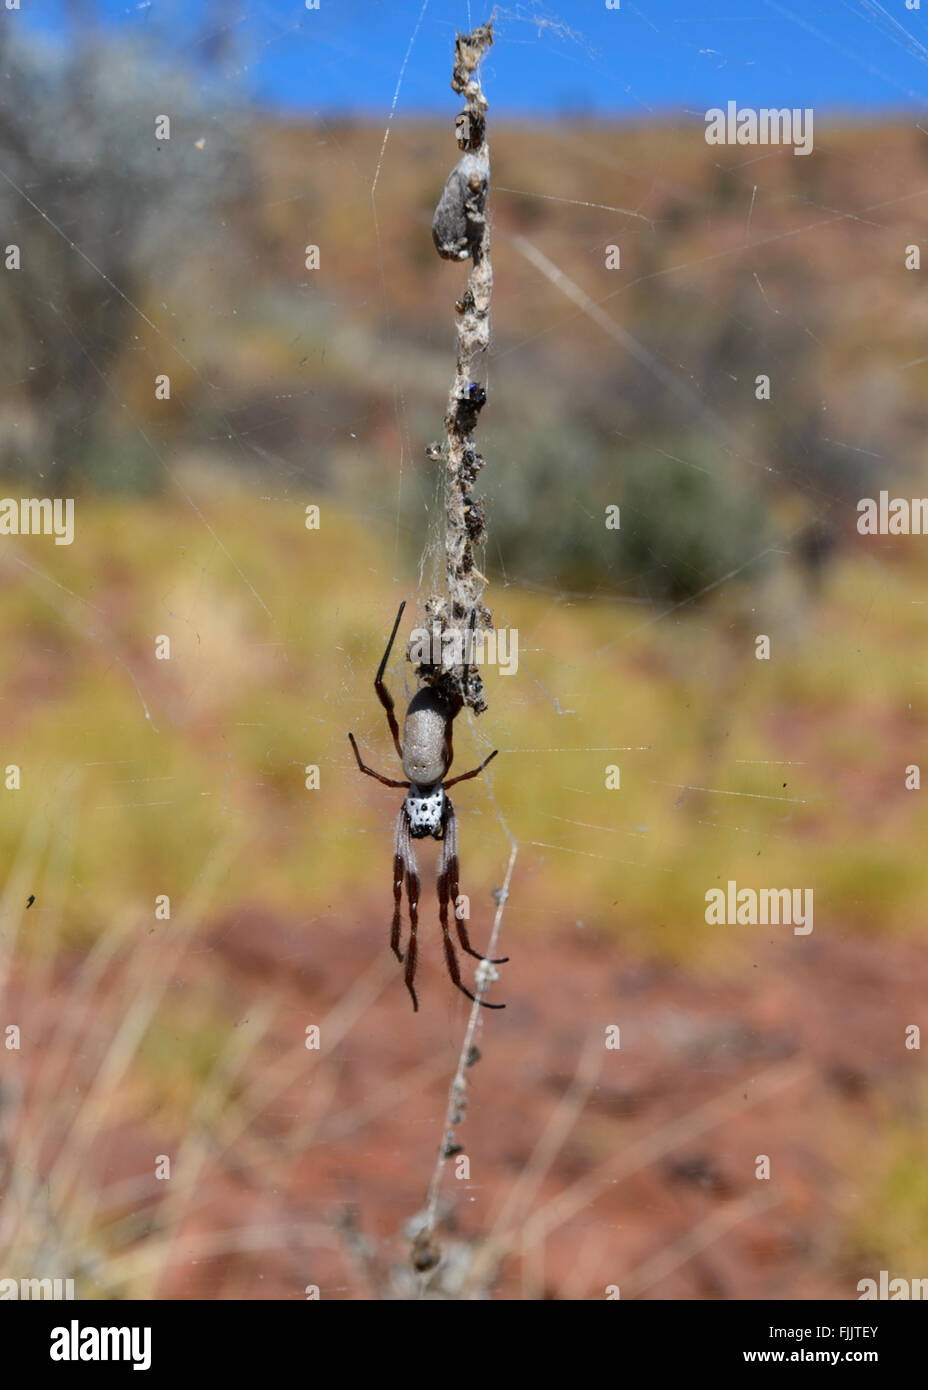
x=426 y=754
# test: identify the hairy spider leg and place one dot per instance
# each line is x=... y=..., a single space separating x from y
x=398 y=870
x=459 y=702
x=412 y=893
x=450 y=958
x=449 y=740
x=383 y=694
x=448 y=887
x=466 y=683
x=466 y=776
x=387 y=781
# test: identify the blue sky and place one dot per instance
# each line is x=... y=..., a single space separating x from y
x=576 y=57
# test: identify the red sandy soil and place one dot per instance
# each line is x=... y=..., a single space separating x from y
x=824 y=1023
x=799 y=1058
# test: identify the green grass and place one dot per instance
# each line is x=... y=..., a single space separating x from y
x=275 y=635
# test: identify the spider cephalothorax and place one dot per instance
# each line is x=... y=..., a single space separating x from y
x=426 y=811
x=426 y=754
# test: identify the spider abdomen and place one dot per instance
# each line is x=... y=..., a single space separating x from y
x=424 y=739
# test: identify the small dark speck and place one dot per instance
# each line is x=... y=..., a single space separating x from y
x=31 y=901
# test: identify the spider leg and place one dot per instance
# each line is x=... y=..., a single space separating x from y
x=448 y=887
x=383 y=694
x=387 y=781
x=449 y=740
x=447 y=878
x=468 y=656
x=460 y=698
x=466 y=776
x=399 y=868
x=455 y=973
x=412 y=893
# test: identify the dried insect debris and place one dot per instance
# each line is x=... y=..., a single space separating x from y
x=457 y=227
x=461 y=231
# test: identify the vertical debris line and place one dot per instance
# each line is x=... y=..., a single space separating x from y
x=461 y=232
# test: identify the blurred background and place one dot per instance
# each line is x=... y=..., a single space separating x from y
x=136 y=1029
